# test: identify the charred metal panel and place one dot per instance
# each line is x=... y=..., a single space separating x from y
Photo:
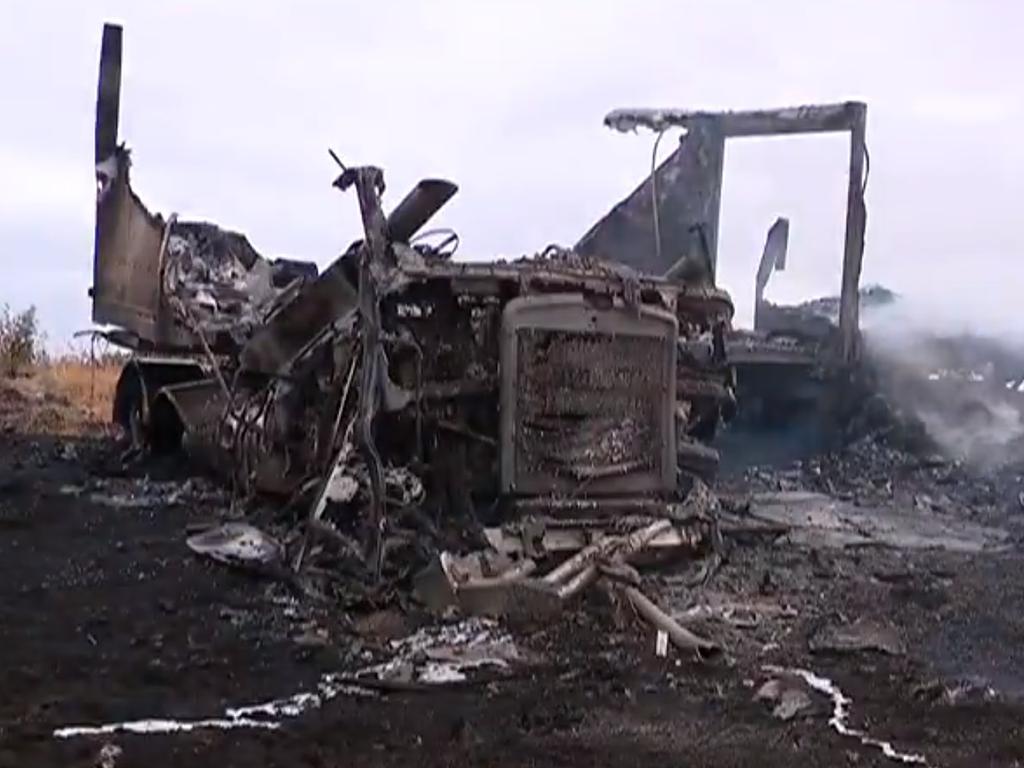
x=773 y=259
x=126 y=249
x=689 y=192
x=200 y=405
x=587 y=398
x=126 y=266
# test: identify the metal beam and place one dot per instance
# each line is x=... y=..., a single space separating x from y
x=817 y=118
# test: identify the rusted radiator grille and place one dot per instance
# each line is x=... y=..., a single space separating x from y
x=588 y=410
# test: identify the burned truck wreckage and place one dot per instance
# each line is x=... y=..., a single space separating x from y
x=399 y=502
x=561 y=386
x=547 y=404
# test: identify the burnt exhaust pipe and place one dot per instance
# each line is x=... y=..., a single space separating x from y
x=108 y=92
x=418 y=207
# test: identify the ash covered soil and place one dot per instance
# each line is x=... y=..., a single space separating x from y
x=105 y=616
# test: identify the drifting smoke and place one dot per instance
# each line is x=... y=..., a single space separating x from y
x=962 y=383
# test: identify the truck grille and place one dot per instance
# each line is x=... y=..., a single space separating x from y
x=591 y=411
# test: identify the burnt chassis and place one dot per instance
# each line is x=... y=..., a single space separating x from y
x=547 y=385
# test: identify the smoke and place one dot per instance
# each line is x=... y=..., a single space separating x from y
x=953 y=373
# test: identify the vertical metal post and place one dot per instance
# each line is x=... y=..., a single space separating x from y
x=853 y=253
x=108 y=92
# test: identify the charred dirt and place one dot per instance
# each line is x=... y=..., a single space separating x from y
x=108 y=618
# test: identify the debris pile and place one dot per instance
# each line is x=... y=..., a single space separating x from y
x=217 y=283
x=475 y=585
x=409 y=414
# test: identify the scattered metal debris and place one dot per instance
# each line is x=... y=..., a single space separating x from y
x=145 y=494
x=512 y=590
x=743 y=615
x=238 y=544
x=789 y=695
x=446 y=654
x=681 y=637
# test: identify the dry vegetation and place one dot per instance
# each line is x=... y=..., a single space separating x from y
x=68 y=394
x=21 y=342
x=86 y=386
x=63 y=397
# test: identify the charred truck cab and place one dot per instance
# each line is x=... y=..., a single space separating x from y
x=793 y=367
x=562 y=385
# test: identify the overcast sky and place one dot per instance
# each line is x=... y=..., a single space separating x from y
x=229 y=108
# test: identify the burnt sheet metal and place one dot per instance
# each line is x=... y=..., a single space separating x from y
x=773 y=259
x=169 y=284
x=200 y=408
x=688 y=186
x=127 y=255
x=128 y=238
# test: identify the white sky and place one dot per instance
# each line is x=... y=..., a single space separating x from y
x=229 y=108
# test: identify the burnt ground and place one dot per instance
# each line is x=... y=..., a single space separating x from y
x=106 y=616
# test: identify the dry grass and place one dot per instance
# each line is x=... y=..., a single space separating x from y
x=89 y=388
x=66 y=396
